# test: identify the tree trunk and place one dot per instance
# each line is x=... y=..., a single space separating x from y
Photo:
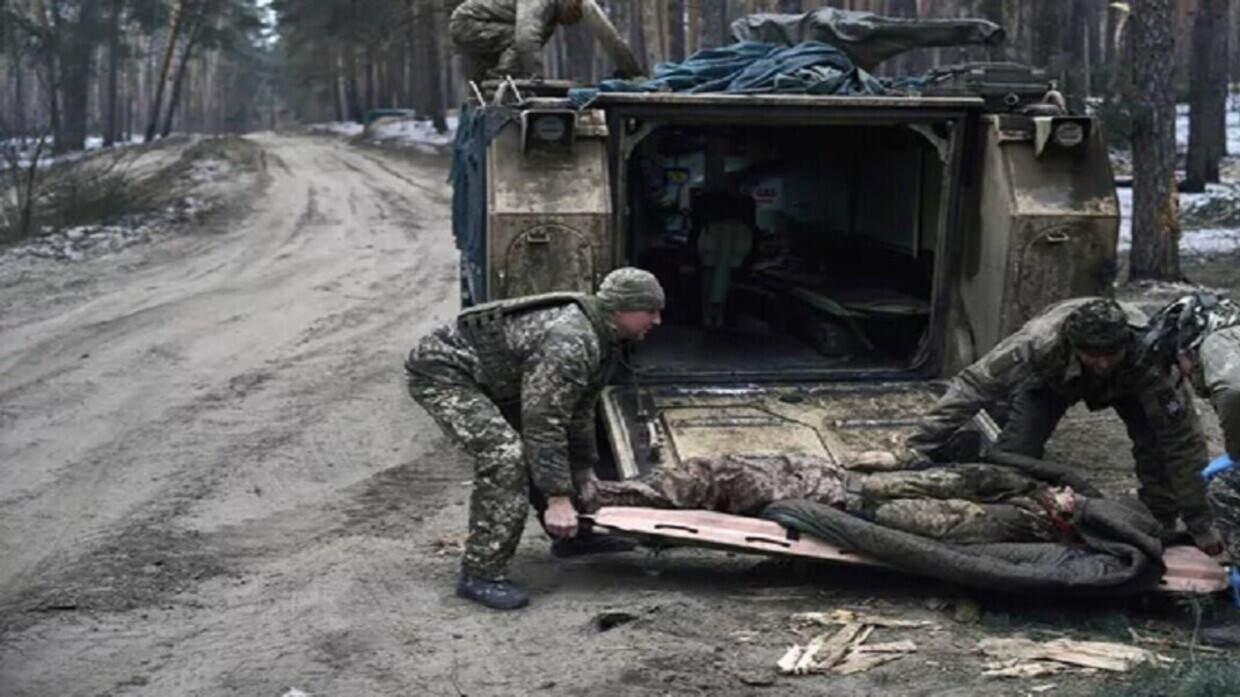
x=195 y=32
x=157 y=101
x=1155 y=224
x=1207 y=135
x=675 y=31
x=693 y=22
x=579 y=44
x=352 y=93
x=19 y=90
x=111 y=124
x=76 y=70
x=714 y=23
x=52 y=79
x=437 y=25
x=651 y=40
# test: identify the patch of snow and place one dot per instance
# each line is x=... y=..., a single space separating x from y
x=413 y=132
x=1233 y=129
x=1199 y=242
x=339 y=128
x=1166 y=290
x=89 y=241
x=25 y=148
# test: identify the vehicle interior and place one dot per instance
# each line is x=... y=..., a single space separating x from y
x=786 y=248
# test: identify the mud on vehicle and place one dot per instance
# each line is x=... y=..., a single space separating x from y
x=825 y=257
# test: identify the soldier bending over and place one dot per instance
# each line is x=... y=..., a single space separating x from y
x=1085 y=350
x=515 y=383
x=499 y=38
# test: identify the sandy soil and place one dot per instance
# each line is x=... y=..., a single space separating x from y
x=213 y=483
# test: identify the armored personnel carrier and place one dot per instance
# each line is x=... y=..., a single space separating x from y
x=826 y=256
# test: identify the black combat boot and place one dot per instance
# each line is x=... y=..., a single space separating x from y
x=500 y=594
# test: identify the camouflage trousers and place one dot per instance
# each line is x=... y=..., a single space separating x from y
x=962 y=503
x=1224 y=495
x=499 y=502
x=486 y=48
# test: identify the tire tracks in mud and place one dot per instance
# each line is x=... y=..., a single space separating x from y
x=149 y=556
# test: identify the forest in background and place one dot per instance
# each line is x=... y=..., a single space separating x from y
x=124 y=70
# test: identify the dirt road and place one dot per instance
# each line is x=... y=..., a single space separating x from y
x=213 y=483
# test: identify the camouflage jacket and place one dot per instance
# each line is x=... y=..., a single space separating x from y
x=1036 y=350
x=557 y=363
x=533 y=22
x=1039 y=351
x=1217 y=378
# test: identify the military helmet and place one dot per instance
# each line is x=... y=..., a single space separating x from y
x=1097 y=325
x=1184 y=323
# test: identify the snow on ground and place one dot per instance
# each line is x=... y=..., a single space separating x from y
x=1233 y=127
x=1203 y=240
x=417 y=134
x=414 y=133
x=26 y=147
x=339 y=128
x=1193 y=242
x=87 y=241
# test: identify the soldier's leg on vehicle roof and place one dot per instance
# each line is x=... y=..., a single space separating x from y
x=508 y=63
x=481 y=44
x=1153 y=486
x=499 y=502
x=984 y=483
x=968 y=522
x=1033 y=413
x=1224 y=496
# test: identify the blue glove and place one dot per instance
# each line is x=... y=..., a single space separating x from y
x=1234 y=577
x=1217 y=465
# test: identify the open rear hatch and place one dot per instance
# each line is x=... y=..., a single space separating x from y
x=798 y=237
x=652 y=425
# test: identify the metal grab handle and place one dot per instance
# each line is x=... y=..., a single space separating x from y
x=673 y=526
x=768 y=541
x=1057 y=237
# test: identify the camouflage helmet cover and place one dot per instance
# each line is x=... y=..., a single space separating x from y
x=1098 y=325
x=1187 y=321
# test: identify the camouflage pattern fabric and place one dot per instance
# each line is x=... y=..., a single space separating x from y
x=964 y=503
x=738 y=484
x=564 y=363
x=498 y=38
x=1168 y=444
x=1224 y=492
x=1217 y=378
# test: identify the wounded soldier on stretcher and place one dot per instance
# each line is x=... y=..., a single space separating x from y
x=961 y=503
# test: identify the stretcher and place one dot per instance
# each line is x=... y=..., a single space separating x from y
x=1189 y=570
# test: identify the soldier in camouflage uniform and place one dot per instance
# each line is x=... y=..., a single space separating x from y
x=515 y=383
x=959 y=503
x=1198 y=335
x=499 y=38
x=1087 y=350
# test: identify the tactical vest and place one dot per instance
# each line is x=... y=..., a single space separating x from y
x=483 y=327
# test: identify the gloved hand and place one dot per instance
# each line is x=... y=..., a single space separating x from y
x=1208 y=541
x=1234 y=577
x=1218 y=464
